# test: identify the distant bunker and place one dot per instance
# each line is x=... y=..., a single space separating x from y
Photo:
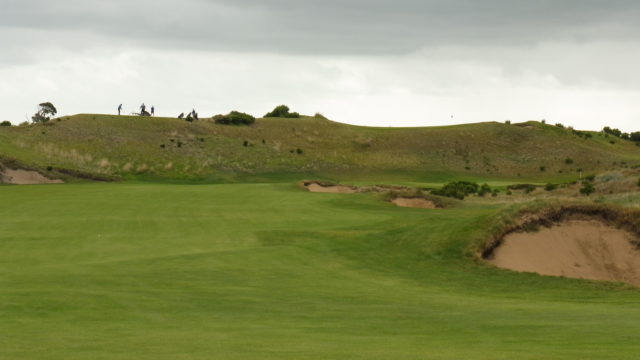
x=583 y=247
x=318 y=187
x=25 y=177
x=418 y=203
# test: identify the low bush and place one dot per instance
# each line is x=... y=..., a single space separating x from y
x=610 y=131
x=457 y=189
x=587 y=188
x=484 y=189
x=234 y=118
x=5 y=123
x=550 y=187
x=282 y=111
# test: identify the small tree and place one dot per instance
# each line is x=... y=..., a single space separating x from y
x=45 y=111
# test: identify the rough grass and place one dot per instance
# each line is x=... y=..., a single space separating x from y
x=268 y=271
x=164 y=148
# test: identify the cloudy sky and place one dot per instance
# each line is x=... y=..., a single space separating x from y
x=369 y=62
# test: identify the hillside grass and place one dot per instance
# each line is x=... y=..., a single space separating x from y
x=269 y=271
x=274 y=149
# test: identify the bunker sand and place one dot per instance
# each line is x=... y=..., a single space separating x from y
x=25 y=177
x=577 y=249
x=418 y=203
x=335 y=189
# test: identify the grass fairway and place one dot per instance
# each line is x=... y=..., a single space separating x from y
x=268 y=271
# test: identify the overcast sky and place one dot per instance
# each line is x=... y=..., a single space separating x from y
x=369 y=62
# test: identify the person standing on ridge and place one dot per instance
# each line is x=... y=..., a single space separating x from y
x=143 y=109
x=119 y=108
x=153 y=110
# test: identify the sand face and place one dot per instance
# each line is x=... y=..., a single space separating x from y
x=414 y=203
x=577 y=249
x=335 y=189
x=25 y=177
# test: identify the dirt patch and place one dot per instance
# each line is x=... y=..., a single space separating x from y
x=335 y=189
x=418 y=203
x=585 y=249
x=25 y=177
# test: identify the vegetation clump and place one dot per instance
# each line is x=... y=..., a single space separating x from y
x=45 y=111
x=282 y=111
x=5 y=123
x=587 y=188
x=460 y=189
x=234 y=118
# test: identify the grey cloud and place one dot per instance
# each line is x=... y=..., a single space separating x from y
x=349 y=27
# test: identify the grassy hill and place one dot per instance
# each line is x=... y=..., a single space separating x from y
x=167 y=148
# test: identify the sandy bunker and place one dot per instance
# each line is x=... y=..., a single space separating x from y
x=418 y=203
x=336 y=189
x=25 y=177
x=585 y=249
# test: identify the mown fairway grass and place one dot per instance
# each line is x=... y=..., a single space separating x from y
x=268 y=271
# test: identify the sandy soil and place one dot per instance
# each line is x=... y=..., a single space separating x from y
x=578 y=249
x=336 y=189
x=414 y=203
x=25 y=177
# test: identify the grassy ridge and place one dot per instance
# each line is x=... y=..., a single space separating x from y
x=267 y=271
x=165 y=148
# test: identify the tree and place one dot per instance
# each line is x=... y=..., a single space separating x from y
x=45 y=111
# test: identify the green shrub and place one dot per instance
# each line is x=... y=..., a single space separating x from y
x=484 y=189
x=282 y=111
x=568 y=161
x=610 y=131
x=590 y=177
x=5 y=123
x=550 y=187
x=635 y=136
x=234 y=118
x=457 y=189
x=543 y=168
x=587 y=188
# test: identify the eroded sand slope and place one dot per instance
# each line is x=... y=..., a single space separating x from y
x=577 y=248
